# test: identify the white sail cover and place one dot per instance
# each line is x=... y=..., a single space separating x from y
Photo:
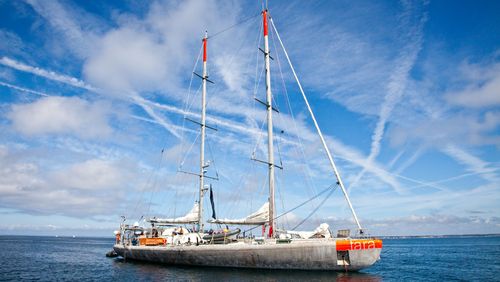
x=190 y=217
x=261 y=216
x=322 y=231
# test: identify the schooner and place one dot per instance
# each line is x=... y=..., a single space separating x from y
x=280 y=249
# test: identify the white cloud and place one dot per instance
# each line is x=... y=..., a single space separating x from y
x=482 y=90
x=93 y=174
x=79 y=189
x=128 y=59
x=155 y=53
x=61 y=115
x=73 y=81
x=457 y=128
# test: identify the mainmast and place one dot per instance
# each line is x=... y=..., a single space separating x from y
x=203 y=127
x=269 y=126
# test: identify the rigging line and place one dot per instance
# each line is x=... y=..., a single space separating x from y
x=192 y=75
x=316 y=209
x=145 y=185
x=278 y=145
x=211 y=152
x=300 y=205
x=273 y=78
x=190 y=148
x=186 y=103
x=191 y=103
x=231 y=60
x=282 y=200
x=258 y=76
x=323 y=141
x=307 y=172
x=251 y=116
x=254 y=92
x=257 y=61
x=331 y=187
x=258 y=79
x=154 y=185
x=175 y=203
x=263 y=120
x=228 y=65
x=233 y=198
x=257 y=142
x=233 y=26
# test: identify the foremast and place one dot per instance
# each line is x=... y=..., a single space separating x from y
x=270 y=146
x=203 y=127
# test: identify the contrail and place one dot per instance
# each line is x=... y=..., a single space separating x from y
x=23 y=89
x=83 y=85
x=474 y=163
x=397 y=85
x=47 y=74
x=147 y=105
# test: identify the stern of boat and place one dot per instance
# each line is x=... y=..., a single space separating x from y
x=356 y=254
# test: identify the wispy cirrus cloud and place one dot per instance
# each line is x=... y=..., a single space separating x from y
x=396 y=87
x=473 y=163
x=8 y=62
x=78 y=83
x=482 y=89
x=342 y=150
x=344 y=53
x=80 y=35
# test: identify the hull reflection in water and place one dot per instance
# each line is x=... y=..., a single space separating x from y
x=245 y=274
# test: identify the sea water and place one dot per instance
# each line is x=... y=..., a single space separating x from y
x=83 y=259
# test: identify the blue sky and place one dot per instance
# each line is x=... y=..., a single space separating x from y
x=407 y=94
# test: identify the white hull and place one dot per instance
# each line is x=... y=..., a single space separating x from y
x=309 y=254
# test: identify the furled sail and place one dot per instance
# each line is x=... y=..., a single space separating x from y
x=261 y=216
x=190 y=217
x=212 y=203
x=322 y=231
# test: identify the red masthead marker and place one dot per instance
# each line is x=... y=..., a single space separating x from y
x=205 y=49
x=264 y=18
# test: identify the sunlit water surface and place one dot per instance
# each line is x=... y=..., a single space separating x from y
x=83 y=259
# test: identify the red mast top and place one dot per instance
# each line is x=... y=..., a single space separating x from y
x=205 y=49
x=264 y=18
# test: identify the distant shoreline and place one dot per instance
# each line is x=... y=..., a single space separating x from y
x=439 y=236
x=381 y=237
